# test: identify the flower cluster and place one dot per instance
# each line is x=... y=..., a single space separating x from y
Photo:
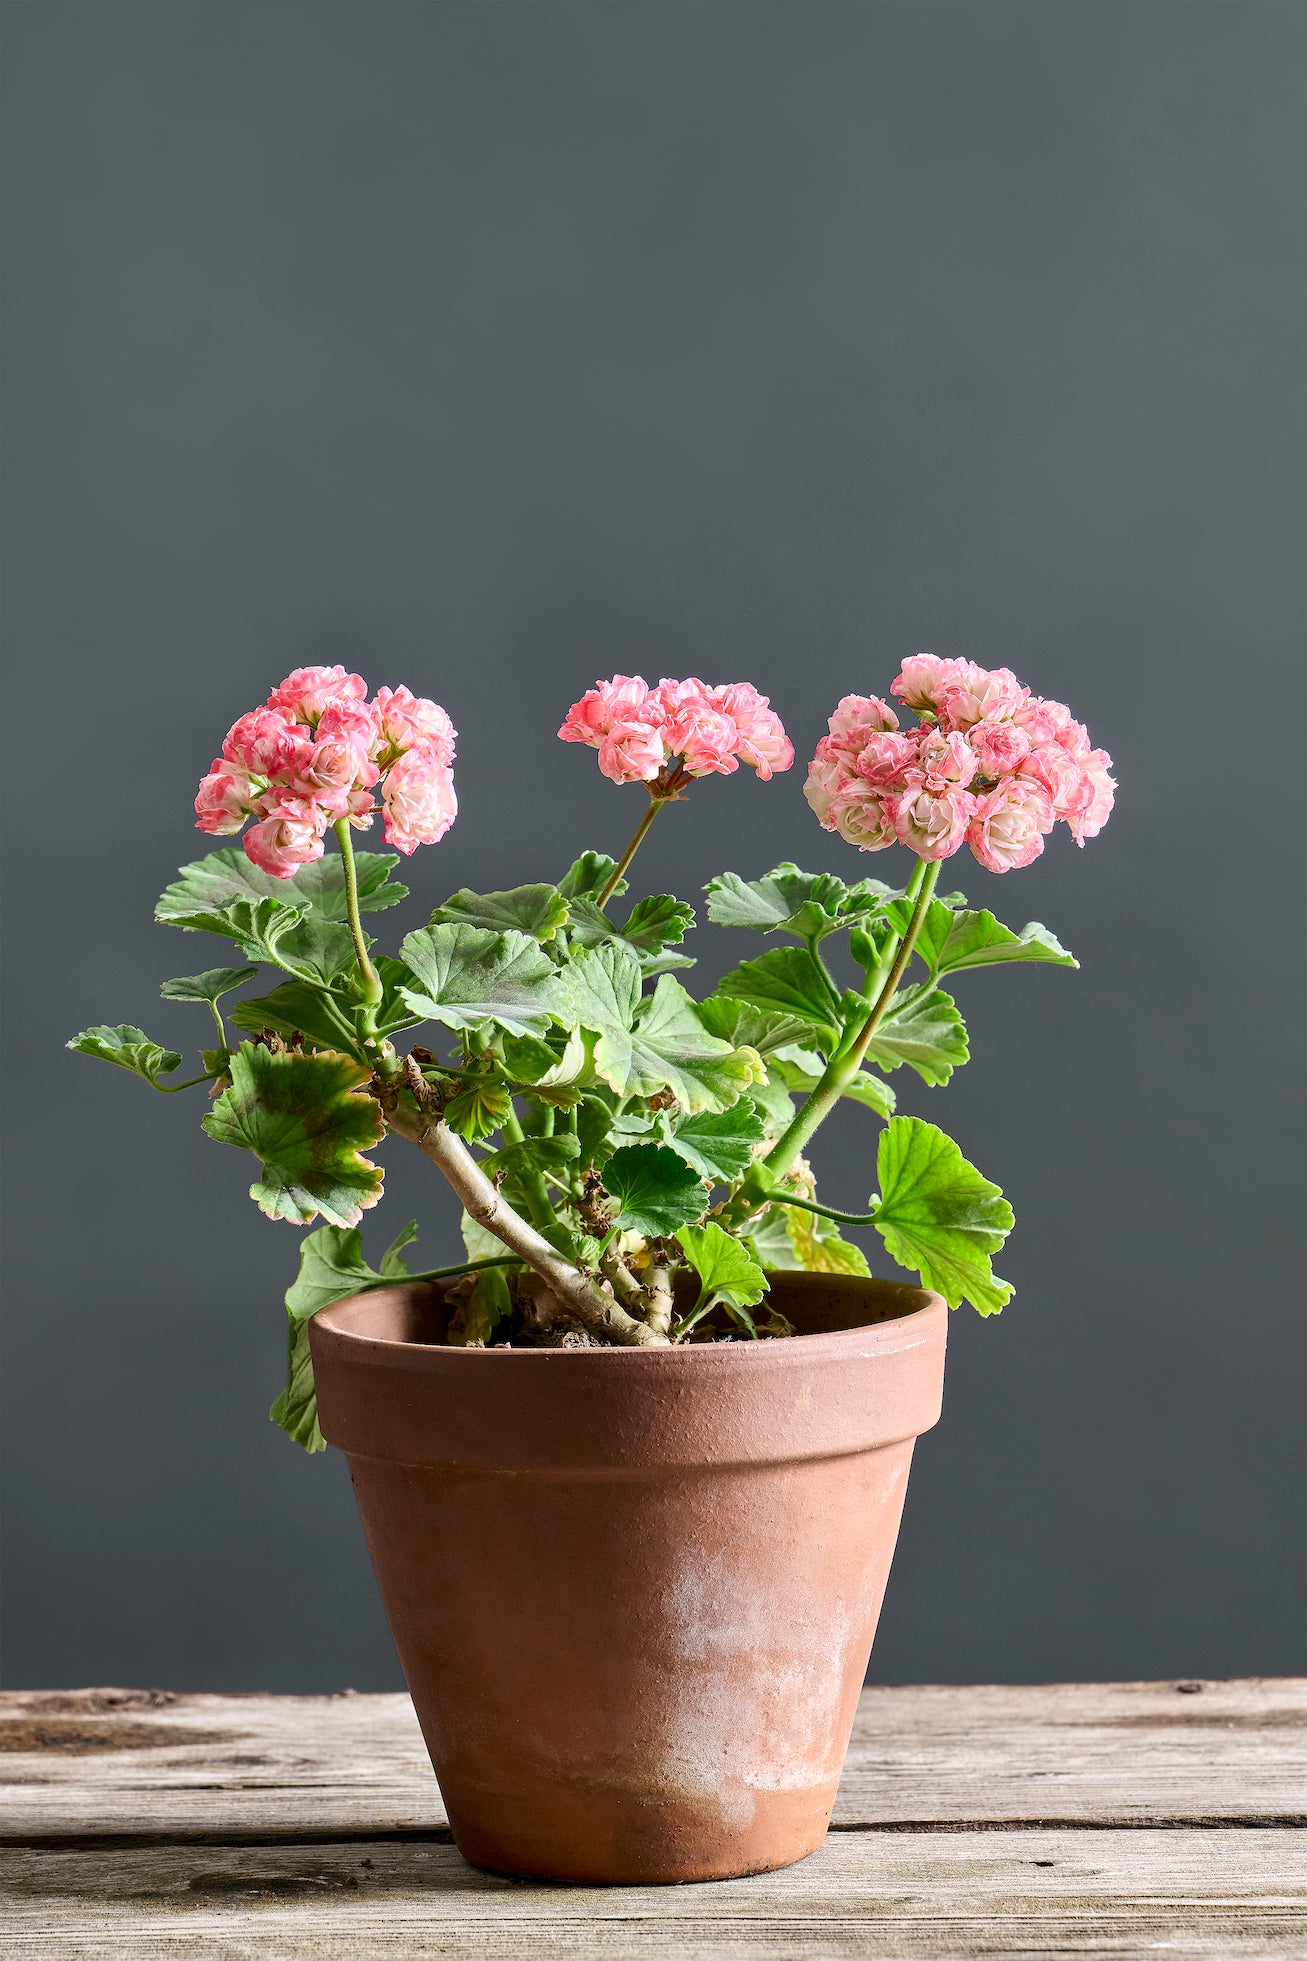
x=315 y=754
x=639 y=730
x=989 y=764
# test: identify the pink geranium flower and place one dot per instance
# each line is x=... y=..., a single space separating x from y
x=289 y=835
x=864 y=817
x=641 y=731
x=419 y=800
x=1009 y=826
x=305 y=695
x=989 y=762
x=314 y=755
x=227 y=798
x=933 y=823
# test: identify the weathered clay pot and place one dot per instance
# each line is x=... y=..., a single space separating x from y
x=634 y=1590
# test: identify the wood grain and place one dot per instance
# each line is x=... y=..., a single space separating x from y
x=1110 y=1819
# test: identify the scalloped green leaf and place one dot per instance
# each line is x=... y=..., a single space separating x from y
x=331 y=1268
x=587 y=877
x=479 y=1110
x=744 y=1026
x=653 y=924
x=305 y=1118
x=536 y=910
x=209 y=986
x=208 y=884
x=468 y=977
x=298 y=1007
x=654 y=1190
x=923 y=1028
x=659 y=1043
x=950 y=942
x=786 y=981
x=719 y=1144
x=131 y=1048
x=939 y=1217
x=726 y=1269
x=809 y=905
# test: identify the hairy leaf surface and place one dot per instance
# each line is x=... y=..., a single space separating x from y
x=923 y=1028
x=787 y=981
x=536 y=910
x=950 y=941
x=209 y=986
x=467 y=977
x=206 y=885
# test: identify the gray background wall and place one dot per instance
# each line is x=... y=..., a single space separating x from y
x=496 y=347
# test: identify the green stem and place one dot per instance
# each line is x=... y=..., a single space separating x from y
x=449 y=1272
x=371 y=981
x=619 y=869
x=840 y=1070
x=822 y=1211
x=171 y=1089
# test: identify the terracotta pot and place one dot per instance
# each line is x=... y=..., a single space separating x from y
x=634 y=1590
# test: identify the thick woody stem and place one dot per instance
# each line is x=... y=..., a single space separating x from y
x=658 y=1292
x=593 y=1308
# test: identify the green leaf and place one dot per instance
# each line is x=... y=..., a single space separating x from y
x=332 y=1267
x=654 y=1189
x=950 y=941
x=819 y=1246
x=923 y=1028
x=298 y=1007
x=787 y=981
x=807 y=904
x=489 y=1302
x=744 y=1026
x=536 y=910
x=304 y=1116
x=527 y=1154
x=720 y=1145
x=671 y=1049
x=939 y=1217
x=207 y=885
x=796 y=1070
x=483 y=1106
x=769 y=1242
x=660 y=1043
x=296 y=1409
x=654 y=923
x=392 y=1266
x=546 y=1066
x=209 y=986
x=773 y=1103
x=594 y=1121
x=131 y=1048
x=467 y=977
x=724 y=1265
x=587 y=878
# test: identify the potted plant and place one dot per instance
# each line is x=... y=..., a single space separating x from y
x=631 y=1469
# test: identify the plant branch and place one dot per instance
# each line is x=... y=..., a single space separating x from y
x=593 y=1308
x=822 y=1211
x=839 y=1072
x=619 y=869
x=372 y=989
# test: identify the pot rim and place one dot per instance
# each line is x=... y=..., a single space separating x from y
x=885 y=1335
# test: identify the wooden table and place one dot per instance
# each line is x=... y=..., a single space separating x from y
x=1158 y=1818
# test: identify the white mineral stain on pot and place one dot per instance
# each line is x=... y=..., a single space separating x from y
x=753 y=1688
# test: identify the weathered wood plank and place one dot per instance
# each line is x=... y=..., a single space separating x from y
x=139 y=1762
x=1216 y=1892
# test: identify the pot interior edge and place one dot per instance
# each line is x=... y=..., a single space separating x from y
x=415 y=1314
